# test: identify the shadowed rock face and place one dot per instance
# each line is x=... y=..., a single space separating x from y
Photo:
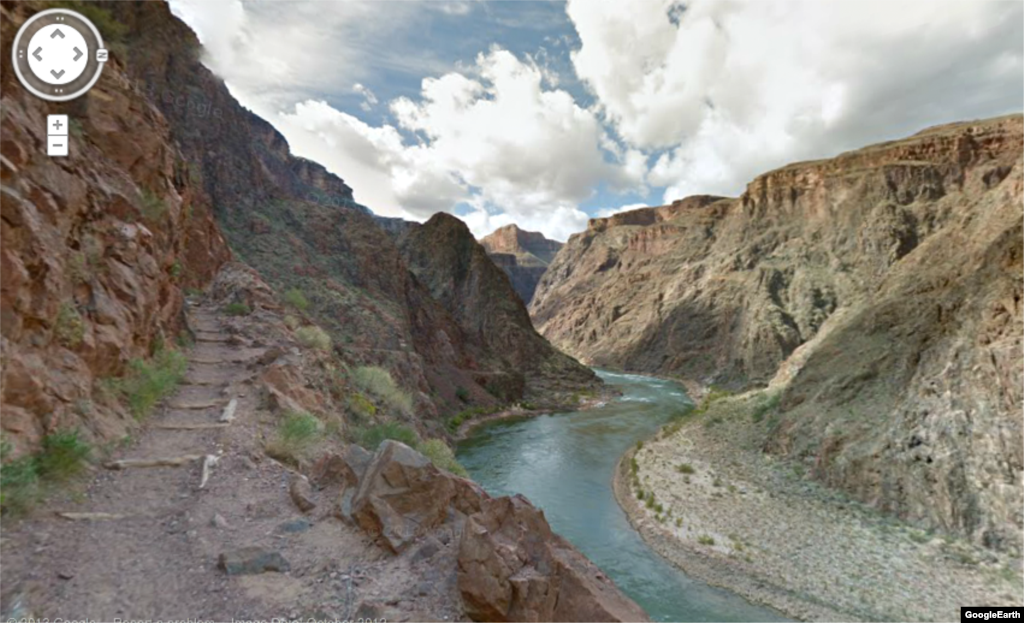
x=523 y=255
x=96 y=249
x=458 y=273
x=510 y=565
x=881 y=289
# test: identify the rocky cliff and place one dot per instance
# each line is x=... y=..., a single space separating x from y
x=456 y=270
x=880 y=289
x=523 y=255
x=97 y=249
x=299 y=227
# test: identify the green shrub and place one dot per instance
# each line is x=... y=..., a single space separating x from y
x=640 y=494
x=291 y=322
x=296 y=298
x=462 y=394
x=176 y=269
x=69 y=328
x=19 y=480
x=62 y=455
x=771 y=403
x=237 y=309
x=314 y=337
x=372 y=436
x=679 y=522
x=705 y=539
x=442 y=456
x=685 y=468
x=147 y=382
x=377 y=381
x=296 y=435
x=362 y=406
x=456 y=420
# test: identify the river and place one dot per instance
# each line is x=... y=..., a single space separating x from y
x=564 y=463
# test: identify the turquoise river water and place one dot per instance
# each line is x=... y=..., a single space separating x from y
x=564 y=464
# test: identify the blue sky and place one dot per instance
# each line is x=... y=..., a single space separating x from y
x=548 y=113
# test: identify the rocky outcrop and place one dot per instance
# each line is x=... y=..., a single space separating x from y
x=456 y=270
x=523 y=255
x=511 y=566
x=97 y=248
x=881 y=286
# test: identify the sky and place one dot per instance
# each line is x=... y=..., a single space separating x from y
x=547 y=114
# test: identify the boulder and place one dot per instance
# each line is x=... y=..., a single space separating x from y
x=401 y=497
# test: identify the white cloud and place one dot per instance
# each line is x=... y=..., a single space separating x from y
x=501 y=142
x=272 y=54
x=732 y=89
x=369 y=97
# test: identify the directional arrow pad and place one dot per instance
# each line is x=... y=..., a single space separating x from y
x=60 y=56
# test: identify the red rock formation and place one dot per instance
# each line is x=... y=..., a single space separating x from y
x=96 y=249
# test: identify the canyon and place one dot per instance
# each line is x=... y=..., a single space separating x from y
x=875 y=297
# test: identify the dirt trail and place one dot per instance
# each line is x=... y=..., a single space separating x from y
x=159 y=560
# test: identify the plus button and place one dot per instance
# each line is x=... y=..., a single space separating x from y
x=57 y=124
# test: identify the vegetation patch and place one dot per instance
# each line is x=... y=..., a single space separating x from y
x=371 y=437
x=705 y=539
x=69 y=328
x=296 y=298
x=442 y=456
x=148 y=382
x=313 y=337
x=296 y=436
x=769 y=404
x=462 y=394
x=61 y=456
x=685 y=468
x=378 y=382
x=361 y=406
x=237 y=309
x=465 y=415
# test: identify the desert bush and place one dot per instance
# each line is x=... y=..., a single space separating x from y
x=62 y=455
x=442 y=456
x=291 y=322
x=462 y=394
x=313 y=336
x=69 y=328
x=361 y=406
x=377 y=381
x=372 y=436
x=147 y=382
x=297 y=434
x=296 y=298
x=685 y=468
x=705 y=539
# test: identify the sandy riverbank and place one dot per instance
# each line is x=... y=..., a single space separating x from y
x=515 y=413
x=739 y=519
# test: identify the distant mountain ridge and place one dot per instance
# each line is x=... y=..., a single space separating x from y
x=523 y=255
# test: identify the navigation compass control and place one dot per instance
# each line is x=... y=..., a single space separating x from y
x=58 y=54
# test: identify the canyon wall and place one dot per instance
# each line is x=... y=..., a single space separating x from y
x=97 y=248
